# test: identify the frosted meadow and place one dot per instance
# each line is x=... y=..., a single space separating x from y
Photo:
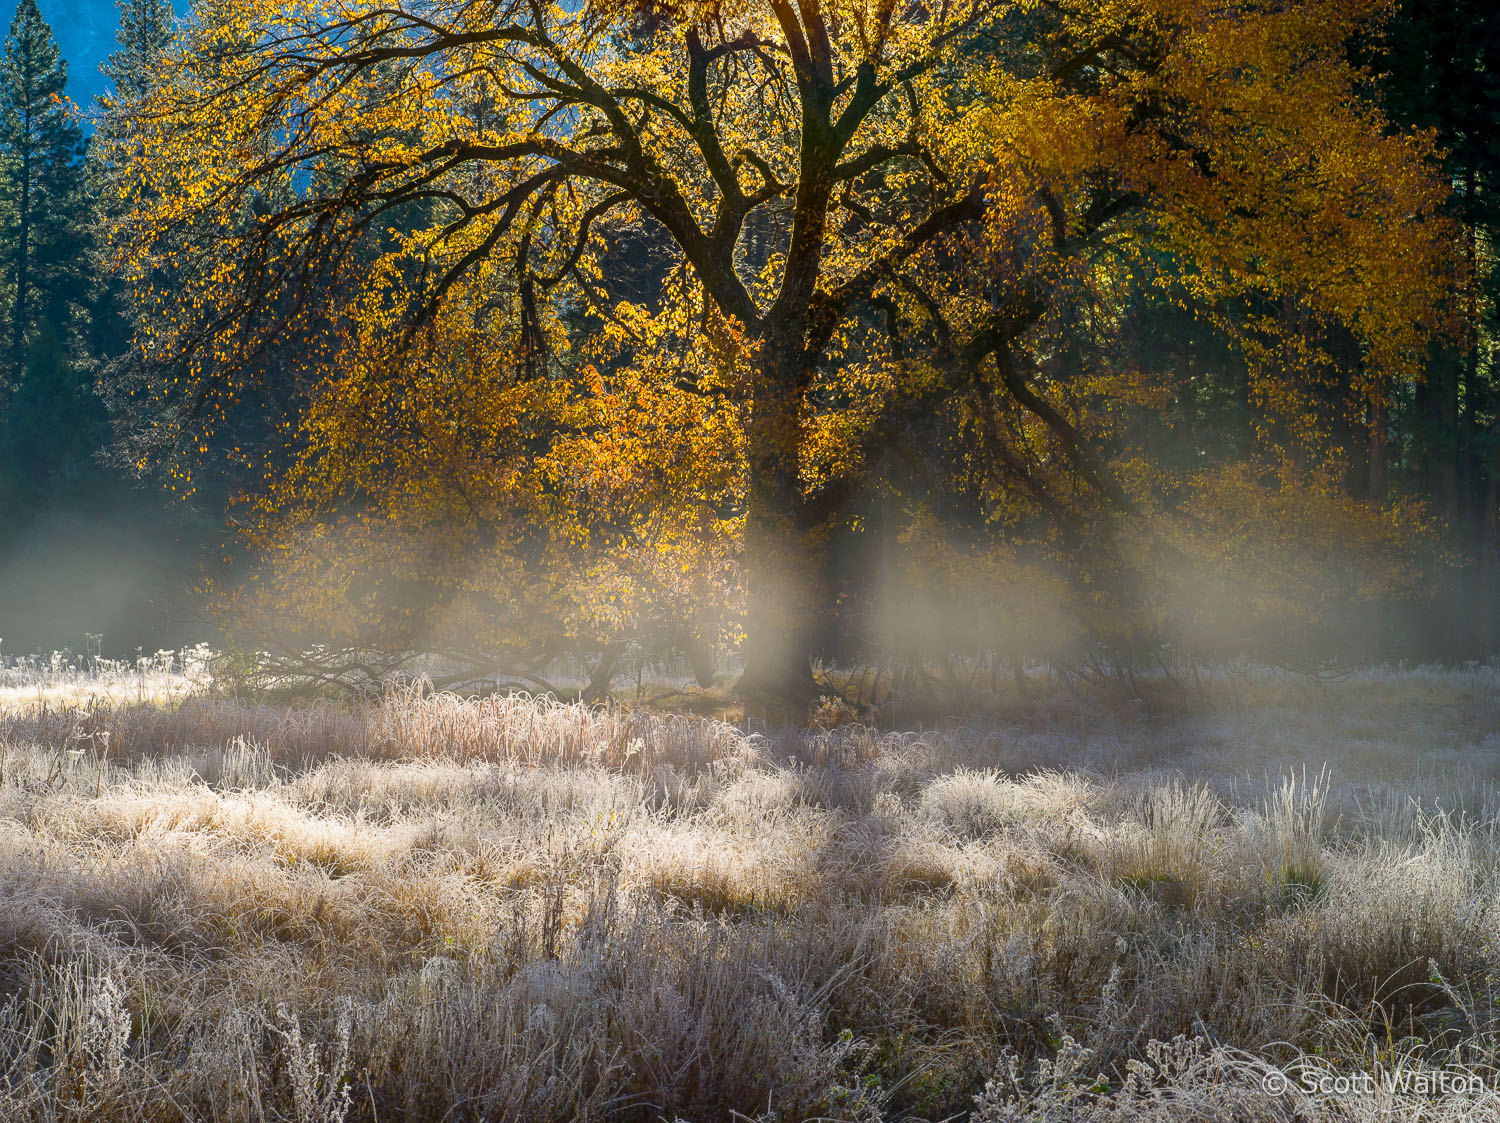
x=1278 y=904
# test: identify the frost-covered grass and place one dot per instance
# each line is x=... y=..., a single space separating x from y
x=66 y=678
x=428 y=908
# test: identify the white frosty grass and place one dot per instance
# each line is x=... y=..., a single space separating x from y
x=1278 y=903
x=70 y=679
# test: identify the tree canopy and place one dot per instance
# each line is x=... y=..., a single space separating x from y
x=590 y=316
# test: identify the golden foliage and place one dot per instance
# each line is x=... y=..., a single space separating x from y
x=866 y=209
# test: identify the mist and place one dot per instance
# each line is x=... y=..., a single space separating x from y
x=114 y=582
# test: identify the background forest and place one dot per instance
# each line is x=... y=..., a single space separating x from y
x=86 y=546
x=1185 y=466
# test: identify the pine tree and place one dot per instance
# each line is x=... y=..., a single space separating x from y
x=145 y=28
x=54 y=421
x=42 y=146
x=144 y=32
x=1441 y=65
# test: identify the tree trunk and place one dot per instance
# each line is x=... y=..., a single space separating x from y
x=783 y=550
x=1487 y=626
x=781 y=556
x=23 y=255
x=1377 y=481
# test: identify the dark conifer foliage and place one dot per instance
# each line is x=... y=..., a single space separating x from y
x=1441 y=65
x=53 y=422
x=40 y=138
x=145 y=28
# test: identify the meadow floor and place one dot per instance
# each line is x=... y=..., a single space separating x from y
x=1277 y=900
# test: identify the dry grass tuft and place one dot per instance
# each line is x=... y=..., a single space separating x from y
x=431 y=908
